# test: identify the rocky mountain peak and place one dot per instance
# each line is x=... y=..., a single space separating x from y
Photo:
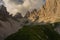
x=3 y=13
x=18 y=15
x=50 y=12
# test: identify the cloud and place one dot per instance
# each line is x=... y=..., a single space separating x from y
x=18 y=2
x=22 y=6
x=1 y=2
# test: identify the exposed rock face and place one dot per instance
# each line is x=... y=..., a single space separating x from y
x=18 y=16
x=8 y=24
x=3 y=13
x=50 y=12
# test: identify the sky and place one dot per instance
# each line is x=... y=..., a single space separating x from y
x=22 y=6
x=1 y=2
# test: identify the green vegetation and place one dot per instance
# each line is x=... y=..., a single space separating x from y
x=35 y=32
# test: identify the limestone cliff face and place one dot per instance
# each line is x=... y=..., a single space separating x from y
x=50 y=12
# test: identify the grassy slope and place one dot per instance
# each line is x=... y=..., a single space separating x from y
x=35 y=32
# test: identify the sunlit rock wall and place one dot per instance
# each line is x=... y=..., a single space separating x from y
x=50 y=12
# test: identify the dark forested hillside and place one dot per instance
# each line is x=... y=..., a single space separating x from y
x=35 y=32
